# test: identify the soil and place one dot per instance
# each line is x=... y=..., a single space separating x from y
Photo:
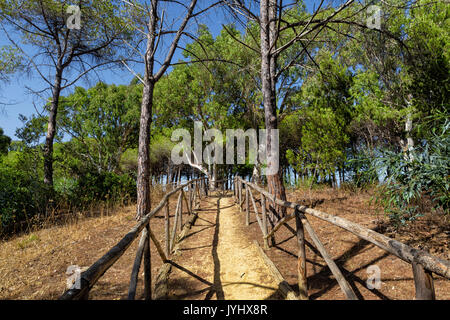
x=33 y=266
x=218 y=260
x=354 y=256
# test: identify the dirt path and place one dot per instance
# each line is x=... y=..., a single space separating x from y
x=219 y=260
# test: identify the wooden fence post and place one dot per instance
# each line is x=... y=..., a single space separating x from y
x=137 y=265
x=167 y=228
x=247 y=207
x=181 y=210
x=423 y=281
x=190 y=197
x=174 y=228
x=240 y=195
x=147 y=267
x=345 y=287
x=194 y=196
x=301 y=265
x=264 y=221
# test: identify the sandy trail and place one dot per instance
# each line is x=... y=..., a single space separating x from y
x=243 y=273
x=219 y=260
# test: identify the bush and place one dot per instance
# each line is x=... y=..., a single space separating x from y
x=416 y=179
x=93 y=187
x=21 y=198
x=24 y=197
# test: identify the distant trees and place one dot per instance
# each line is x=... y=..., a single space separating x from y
x=102 y=122
x=342 y=95
x=4 y=142
x=58 y=54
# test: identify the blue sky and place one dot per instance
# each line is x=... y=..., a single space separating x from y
x=20 y=101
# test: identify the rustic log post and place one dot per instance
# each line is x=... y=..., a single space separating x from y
x=175 y=223
x=247 y=207
x=186 y=202
x=264 y=221
x=256 y=212
x=270 y=216
x=137 y=266
x=190 y=197
x=301 y=266
x=194 y=197
x=147 y=267
x=240 y=195
x=167 y=227
x=158 y=246
x=181 y=210
x=345 y=287
x=423 y=281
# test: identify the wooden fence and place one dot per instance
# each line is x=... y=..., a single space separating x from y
x=191 y=198
x=423 y=264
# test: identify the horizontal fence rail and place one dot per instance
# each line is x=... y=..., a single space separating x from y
x=88 y=278
x=423 y=263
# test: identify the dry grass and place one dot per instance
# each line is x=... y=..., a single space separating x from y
x=33 y=265
x=351 y=254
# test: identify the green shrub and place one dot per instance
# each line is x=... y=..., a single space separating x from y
x=21 y=198
x=417 y=179
x=93 y=187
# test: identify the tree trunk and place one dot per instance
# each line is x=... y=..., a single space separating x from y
x=51 y=131
x=268 y=66
x=143 y=178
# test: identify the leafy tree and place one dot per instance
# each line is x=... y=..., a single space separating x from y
x=61 y=56
x=102 y=122
x=5 y=141
x=326 y=113
x=10 y=62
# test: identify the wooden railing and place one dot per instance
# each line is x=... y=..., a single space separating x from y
x=423 y=263
x=195 y=190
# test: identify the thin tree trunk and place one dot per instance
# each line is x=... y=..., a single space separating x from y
x=51 y=131
x=268 y=64
x=143 y=178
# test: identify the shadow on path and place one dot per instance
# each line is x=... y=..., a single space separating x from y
x=217 y=286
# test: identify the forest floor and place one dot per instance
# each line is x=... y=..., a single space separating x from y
x=33 y=265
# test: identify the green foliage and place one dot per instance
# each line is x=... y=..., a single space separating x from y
x=103 y=122
x=5 y=141
x=22 y=194
x=416 y=177
x=325 y=116
x=10 y=62
x=364 y=173
x=95 y=187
